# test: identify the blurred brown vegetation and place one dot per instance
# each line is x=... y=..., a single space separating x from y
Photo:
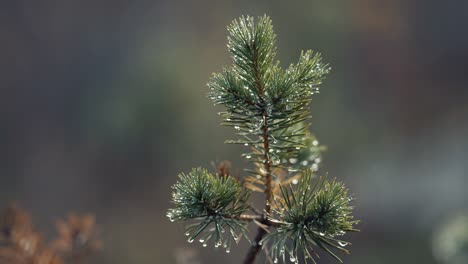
x=20 y=243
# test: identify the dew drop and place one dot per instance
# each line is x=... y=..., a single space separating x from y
x=187 y=234
x=304 y=163
x=314 y=167
x=228 y=251
x=275 y=260
x=315 y=143
x=201 y=240
x=248 y=157
x=295 y=181
x=237 y=127
x=204 y=245
x=292 y=160
x=246 y=144
x=292 y=258
x=342 y=243
x=190 y=240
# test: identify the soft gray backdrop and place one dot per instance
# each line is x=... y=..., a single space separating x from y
x=102 y=104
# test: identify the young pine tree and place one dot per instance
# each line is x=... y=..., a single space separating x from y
x=269 y=109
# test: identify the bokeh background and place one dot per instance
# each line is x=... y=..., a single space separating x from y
x=103 y=103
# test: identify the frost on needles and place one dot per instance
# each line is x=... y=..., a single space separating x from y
x=268 y=107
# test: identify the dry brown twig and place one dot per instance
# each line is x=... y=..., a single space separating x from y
x=20 y=243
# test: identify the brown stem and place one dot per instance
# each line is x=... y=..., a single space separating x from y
x=251 y=217
x=266 y=164
x=255 y=248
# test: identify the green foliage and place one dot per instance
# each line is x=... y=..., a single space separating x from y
x=309 y=156
x=214 y=201
x=310 y=217
x=259 y=95
x=269 y=108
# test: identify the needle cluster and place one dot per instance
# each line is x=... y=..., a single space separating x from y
x=269 y=109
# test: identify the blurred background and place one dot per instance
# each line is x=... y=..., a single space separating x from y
x=103 y=103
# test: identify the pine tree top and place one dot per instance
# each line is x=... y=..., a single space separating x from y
x=269 y=109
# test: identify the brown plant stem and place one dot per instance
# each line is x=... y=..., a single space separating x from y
x=255 y=248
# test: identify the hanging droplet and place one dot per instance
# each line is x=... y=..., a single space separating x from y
x=295 y=181
x=275 y=260
x=343 y=243
x=201 y=240
x=292 y=258
x=237 y=127
x=246 y=144
x=248 y=156
x=228 y=251
x=314 y=167
x=204 y=245
x=190 y=240
x=187 y=234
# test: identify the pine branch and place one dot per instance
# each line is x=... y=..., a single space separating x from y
x=269 y=109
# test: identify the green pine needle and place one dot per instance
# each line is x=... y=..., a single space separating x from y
x=309 y=217
x=256 y=91
x=214 y=202
x=269 y=108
